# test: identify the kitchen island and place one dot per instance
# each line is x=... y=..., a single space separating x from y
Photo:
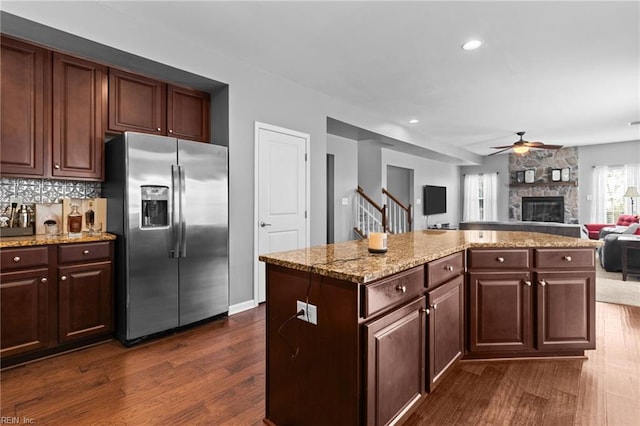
x=380 y=330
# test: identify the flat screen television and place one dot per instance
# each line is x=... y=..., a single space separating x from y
x=434 y=199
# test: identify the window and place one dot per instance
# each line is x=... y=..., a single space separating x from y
x=609 y=185
x=614 y=195
x=480 y=197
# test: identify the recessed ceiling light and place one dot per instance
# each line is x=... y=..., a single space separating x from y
x=471 y=45
x=414 y=121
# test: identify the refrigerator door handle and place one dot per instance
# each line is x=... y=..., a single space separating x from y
x=175 y=219
x=183 y=219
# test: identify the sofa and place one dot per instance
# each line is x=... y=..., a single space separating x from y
x=610 y=253
x=624 y=220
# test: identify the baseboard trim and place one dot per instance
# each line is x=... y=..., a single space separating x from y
x=241 y=307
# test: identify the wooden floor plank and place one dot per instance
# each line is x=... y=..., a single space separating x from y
x=214 y=374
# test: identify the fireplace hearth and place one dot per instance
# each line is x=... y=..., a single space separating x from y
x=543 y=209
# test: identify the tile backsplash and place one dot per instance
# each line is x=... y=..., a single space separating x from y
x=45 y=190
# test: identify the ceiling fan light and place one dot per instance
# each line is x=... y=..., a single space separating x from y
x=520 y=149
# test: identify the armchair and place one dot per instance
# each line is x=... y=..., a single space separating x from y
x=610 y=253
x=624 y=220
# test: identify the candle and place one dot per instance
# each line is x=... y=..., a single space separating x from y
x=378 y=242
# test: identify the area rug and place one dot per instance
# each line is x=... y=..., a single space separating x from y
x=611 y=289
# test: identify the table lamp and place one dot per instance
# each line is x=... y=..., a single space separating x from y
x=631 y=192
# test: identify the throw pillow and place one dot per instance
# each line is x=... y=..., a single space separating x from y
x=632 y=228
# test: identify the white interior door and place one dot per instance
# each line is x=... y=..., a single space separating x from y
x=282 y=197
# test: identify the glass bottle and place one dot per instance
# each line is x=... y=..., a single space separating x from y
x=89 y=217
x=74 y=222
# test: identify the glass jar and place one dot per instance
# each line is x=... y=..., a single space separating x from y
x=89 y=218
x=74 y=222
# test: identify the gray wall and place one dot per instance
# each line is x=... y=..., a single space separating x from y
x=345 y=153
x=427 y=172
x=369 y=173
x=399 y=183
x=493 y=164
x=611 y=154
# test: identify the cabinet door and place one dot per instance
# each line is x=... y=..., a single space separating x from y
x=500 y=312
x=24 y=314
x=25 y=108
x=446 y=328
x=85 y=301
x=136 y=103
x=79 y=112
x=188 y=114
x=566 y=310
x=395 y=357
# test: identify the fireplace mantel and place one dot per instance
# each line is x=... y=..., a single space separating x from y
x=528 y=185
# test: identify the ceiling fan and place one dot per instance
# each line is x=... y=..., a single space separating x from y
x=521 y=146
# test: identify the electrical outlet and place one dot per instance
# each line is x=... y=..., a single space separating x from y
x=310 y=312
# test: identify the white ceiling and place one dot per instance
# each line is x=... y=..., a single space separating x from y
x=566 y=72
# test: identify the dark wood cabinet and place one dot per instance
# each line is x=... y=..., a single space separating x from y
x=54 y=298
x=500 y=307
x=79 y=112
x=136 y=103
x=141 y=104
x=24 y=317
x=25 y=109
x=445 y=313
x=395 y=358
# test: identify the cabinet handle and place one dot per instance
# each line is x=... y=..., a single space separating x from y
x=63 y=278
x=43 y=280
x=401 y=288
x=449 y=268
x=567 y=258
x=56 y=166
x=159 y=129
x=500 y=259
x=16 y=259
x=528 y=283
x=543 y=283
x=85 y=252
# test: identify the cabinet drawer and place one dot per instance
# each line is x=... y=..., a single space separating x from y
x=565 y=258
x=443 y=269
x=21 y=258
x=390 y=291
x=83 y=252
x=499 y=259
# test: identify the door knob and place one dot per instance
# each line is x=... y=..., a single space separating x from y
x=263 y=224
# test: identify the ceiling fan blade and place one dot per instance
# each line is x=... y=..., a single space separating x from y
x=534 y=144
x=501 y=147
x=552 y=146
x=498 y=152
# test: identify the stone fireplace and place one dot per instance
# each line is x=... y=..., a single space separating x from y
x=543 y=209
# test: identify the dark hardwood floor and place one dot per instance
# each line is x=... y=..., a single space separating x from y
x=214 y=374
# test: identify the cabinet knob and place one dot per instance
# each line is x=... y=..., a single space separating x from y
x=56 y=166
x=543 y=283
x=85 y=252
x=434 y=307
x=16 y=259
x=43 y=280
x=567 y=258
x=159 y=129
x=170 y=131
x=425 y=310
x=63 y=278
x=500 y=259
x=528 y=283
x=401 y=288
x=449 y=268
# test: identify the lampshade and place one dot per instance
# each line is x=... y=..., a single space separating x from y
x=631 y=192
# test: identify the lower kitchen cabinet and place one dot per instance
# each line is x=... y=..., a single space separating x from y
x=395 y=358
x=24 y=318
x=445 y=329
x=41 y=315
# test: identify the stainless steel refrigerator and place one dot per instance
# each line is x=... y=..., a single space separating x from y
x=167 y=202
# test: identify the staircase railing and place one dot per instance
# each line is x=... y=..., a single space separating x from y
x=370 y=217
x=399 y=218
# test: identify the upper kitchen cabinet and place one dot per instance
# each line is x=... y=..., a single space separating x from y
x=79 y=118
x=25 y=108
x=141 y=104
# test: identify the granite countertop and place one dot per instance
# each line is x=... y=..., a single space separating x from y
x=43 y=240
x=351 y=260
